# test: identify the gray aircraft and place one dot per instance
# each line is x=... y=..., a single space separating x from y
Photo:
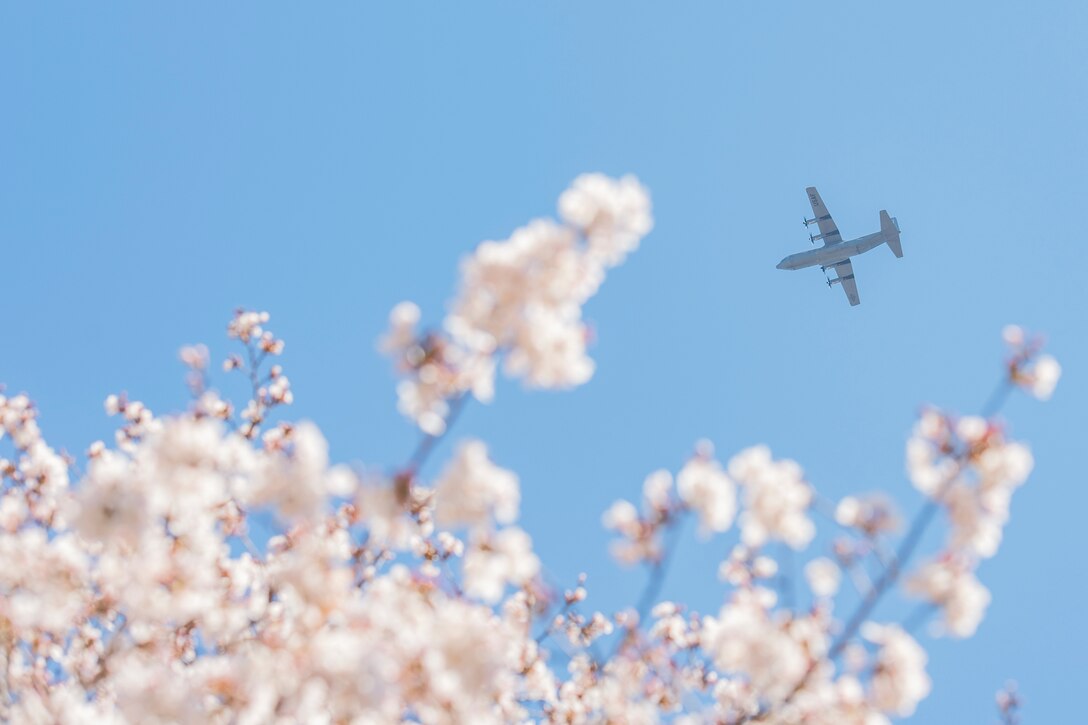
x=835 y=253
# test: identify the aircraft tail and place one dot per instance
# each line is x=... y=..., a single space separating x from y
x=889 y=227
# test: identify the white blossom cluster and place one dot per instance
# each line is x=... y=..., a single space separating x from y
x=775 y=502
x=138 y=595
x=1029 y=368
x=766 y=662
x=520 y=299
x=968 y=467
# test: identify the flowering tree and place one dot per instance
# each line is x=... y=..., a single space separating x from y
x=137 y=594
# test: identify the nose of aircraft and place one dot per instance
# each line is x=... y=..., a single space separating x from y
x=782 y=264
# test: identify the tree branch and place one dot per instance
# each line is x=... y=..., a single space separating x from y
x=892 y=571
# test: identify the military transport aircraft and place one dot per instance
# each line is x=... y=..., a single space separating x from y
x=835 y=253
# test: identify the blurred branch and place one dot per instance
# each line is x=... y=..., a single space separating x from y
x=997 y=398
x=918 y=616
x=891 y=573
x=428 y=442
x=658 y=571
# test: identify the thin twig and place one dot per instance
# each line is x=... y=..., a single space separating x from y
x=891 y=572
x=658 y=571
x=551 y=628
x=997 y=398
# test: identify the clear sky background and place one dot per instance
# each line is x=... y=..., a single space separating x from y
x=160 y=167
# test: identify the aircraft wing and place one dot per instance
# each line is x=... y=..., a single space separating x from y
x=828 y=231
x=845 y=276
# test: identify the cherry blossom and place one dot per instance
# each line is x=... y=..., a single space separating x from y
x=472 y=490
x=775 y=499
x=703 y=485
x=520 y=300
x=899 y=678
x=823 y=576
x=216 y=565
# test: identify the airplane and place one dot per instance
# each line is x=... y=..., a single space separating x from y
x=835 y=253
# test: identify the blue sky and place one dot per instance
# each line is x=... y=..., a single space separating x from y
x=160 y=167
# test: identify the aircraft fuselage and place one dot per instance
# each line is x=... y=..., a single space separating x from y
x=824 y=256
